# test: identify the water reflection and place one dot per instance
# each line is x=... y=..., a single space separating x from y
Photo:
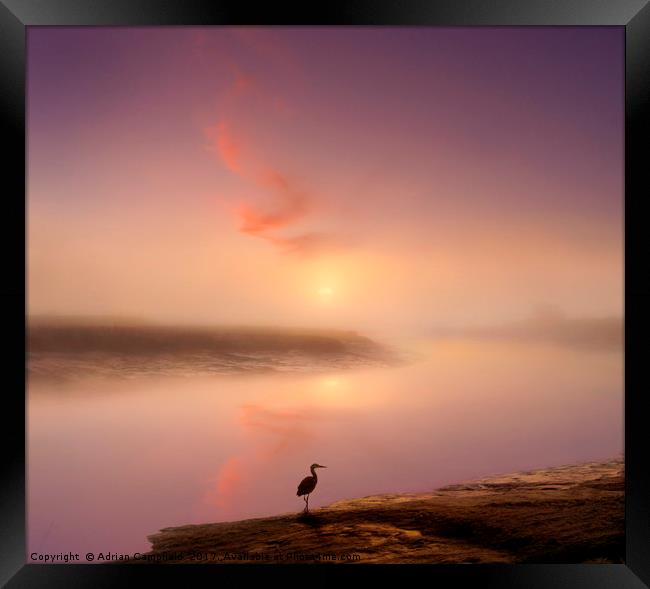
x=111 y=462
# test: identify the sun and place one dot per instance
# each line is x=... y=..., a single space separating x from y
x=325 y=292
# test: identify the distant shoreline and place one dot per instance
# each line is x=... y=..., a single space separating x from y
x=61 y=351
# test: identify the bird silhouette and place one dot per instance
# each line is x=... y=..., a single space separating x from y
x=308 y=484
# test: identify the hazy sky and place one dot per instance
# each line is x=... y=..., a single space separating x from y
x=360 y=177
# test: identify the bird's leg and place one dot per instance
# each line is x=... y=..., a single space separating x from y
x=304 y=498
x=307 y=503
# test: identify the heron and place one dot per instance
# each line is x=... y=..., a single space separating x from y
x=308 y=484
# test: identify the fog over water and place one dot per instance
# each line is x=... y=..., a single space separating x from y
x=115 y=456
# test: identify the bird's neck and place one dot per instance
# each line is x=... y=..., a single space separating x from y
x=313 y=472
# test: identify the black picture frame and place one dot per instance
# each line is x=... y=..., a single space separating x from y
x=633 y=15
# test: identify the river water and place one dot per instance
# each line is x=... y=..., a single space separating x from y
x=111 y=460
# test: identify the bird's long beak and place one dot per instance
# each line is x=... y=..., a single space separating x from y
x=321 y=466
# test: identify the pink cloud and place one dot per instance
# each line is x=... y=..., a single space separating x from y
x=285 y=203
x=226 y=145
x=287 y=206
x=280 y=204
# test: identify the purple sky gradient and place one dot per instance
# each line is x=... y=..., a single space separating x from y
x=405 y=139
